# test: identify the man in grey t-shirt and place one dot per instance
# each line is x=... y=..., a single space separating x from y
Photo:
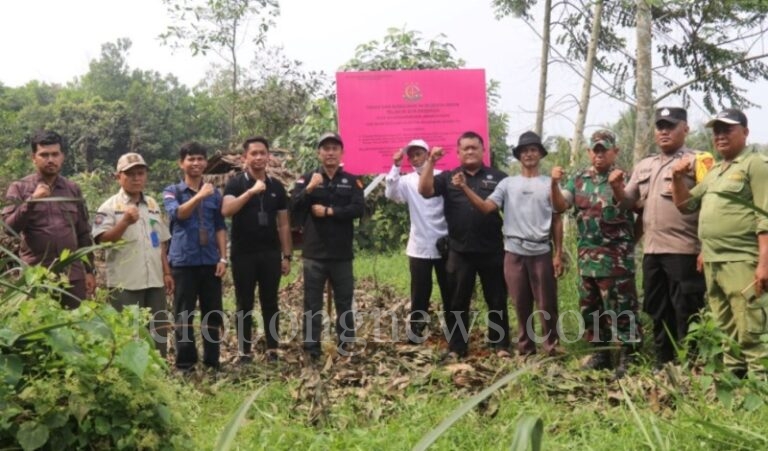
x=530 y=266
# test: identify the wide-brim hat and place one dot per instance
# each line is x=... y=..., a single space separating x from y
x=528 y=139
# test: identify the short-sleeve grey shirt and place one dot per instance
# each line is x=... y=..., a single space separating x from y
x=527 y=213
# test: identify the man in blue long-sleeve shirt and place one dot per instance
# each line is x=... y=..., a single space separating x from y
x=197 y=256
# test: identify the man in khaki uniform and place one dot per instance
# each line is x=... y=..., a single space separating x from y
x=734 y=238
x=137 y=270
x=673 y=285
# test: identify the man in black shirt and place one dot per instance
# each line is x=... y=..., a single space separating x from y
x=329 y=200
x=476 y=245
x=258 y=206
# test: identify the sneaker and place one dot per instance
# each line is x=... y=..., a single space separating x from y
x=598 y=361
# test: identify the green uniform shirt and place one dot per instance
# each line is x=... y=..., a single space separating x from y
x=727 y=229
x=606 y=242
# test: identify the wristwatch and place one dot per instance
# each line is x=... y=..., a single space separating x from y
x=223 y=260
x=288 y=257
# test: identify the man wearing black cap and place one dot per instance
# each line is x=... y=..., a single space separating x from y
x=734 y=238
x=476 y=245
x=530 y=266
x=330 y=200
x=673 y=287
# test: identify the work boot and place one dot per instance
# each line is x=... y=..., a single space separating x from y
x=600 y=360
x=626 y=358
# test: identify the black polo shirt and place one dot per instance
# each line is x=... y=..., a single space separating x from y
x=328 y=238
x=247 y=235
x=471 y=230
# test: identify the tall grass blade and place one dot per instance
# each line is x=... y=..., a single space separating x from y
x=529 y=429
x=636 y=415
x=433 y=435
x=227 y=435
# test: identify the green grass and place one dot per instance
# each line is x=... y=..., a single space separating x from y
x=578 y=410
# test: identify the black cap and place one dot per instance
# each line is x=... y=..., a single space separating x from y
x=330 y=136
x=673 y=115
x=730 y=116
x=527 y=139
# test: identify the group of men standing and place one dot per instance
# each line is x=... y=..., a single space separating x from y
x=456 y=231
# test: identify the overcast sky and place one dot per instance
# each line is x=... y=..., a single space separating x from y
x=53 y=41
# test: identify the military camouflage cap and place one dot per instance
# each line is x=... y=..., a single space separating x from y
x=605 y=138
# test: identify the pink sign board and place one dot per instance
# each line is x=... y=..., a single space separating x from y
x=381 y=111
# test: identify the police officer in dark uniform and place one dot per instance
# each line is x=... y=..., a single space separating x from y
x=476 y=245
x=326 y=202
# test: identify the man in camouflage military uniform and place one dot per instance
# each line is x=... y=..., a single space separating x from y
x=606 y=257
x=673 y=286
x=734 y=239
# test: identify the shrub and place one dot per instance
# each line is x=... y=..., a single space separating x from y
x=86 y=378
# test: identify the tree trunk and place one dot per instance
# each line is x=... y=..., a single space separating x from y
x=233 y=106
x=644 y=87
x=589 y=67
x=544 y=67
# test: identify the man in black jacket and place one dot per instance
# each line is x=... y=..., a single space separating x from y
x=329 y=200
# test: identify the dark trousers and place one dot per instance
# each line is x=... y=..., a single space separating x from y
x=316 y=273
x=528 y=278
x=262 y=268
x=462 y=269
x=674 y=292
x=193 y=283
x=421 y=289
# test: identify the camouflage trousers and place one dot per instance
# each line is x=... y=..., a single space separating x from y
x=739 y=313
x=609 y=310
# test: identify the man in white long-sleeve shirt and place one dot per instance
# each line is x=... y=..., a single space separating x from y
x=427 y=226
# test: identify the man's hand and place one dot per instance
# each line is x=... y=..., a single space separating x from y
x=221 y=269
x=616 y=177
x=131 y=214
x=315 y=181
x=257 y=188
x=320 y=211
x=41 y=190
x=435 y=154
x=761 y=279
x=90 y=285
x=170 y=284
x=206 y=190
x=700 y=262
x=397 y=158
x=459 y=180
x=683 y=166
x=557 y=262
x=285 y=267
x=558 y=173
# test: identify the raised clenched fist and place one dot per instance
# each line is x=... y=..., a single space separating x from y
x=558 y=173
